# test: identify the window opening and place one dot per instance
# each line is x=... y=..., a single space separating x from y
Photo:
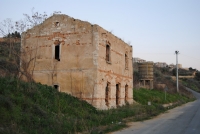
x=56 y=24
x=107 y=94
x=57 y=52
x=117 y=94
x=126 y=61
x=126 y=93
x=108 y=53
x=56 y=87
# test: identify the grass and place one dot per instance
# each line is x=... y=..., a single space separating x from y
x=157 y=97
x=34 y=108
x=192 y=84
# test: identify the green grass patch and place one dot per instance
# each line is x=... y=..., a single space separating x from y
x=143 y=96
x=192 y=84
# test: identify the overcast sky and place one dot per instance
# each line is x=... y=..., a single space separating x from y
x=155 y=28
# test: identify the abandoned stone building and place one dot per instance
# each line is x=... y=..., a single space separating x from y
x=81 y=59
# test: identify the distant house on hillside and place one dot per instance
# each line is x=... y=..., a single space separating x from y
x=174 y=66
x=138 y=60
x=160 y=64
x=81 y=59
x=171 y=65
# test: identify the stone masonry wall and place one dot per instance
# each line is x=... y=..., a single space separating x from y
x=77 y=65
x=114 y=72
x=81 y=69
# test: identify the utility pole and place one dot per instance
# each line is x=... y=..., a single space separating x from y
x=177 y=52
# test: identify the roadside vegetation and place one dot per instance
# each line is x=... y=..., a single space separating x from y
x=192 y=84
x=157 y=97
x=35 y=108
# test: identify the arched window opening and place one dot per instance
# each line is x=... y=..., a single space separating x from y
x=107 y=94
x=117 y=94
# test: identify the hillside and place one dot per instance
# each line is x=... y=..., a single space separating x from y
x=163 y=75
x=9 y=58
x=35 y=108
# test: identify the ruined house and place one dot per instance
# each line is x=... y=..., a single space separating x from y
x=81 y=59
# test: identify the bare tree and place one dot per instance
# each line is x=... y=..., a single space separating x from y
x=6 y=28
x=26 y=57
x=30 y=21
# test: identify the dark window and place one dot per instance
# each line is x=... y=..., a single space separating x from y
x=108 y=53
x=56 y=87
x=57 y=52
x=56 y=24
x=126 y=61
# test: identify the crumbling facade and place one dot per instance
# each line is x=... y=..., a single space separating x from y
x=81 y=59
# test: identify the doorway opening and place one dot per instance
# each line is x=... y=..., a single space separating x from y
x=107 y=94
x=126 y=93
x=126 y=61
x=117 y=94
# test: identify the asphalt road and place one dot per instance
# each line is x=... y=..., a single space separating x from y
x=180 y=120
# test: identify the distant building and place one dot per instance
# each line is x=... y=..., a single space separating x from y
x=179 y=65
x=138 y=60
x=171 y=66
x=185 y=68
x=174 y=66
x=160 y=64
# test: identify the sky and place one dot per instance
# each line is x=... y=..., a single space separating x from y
x=154 y=28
